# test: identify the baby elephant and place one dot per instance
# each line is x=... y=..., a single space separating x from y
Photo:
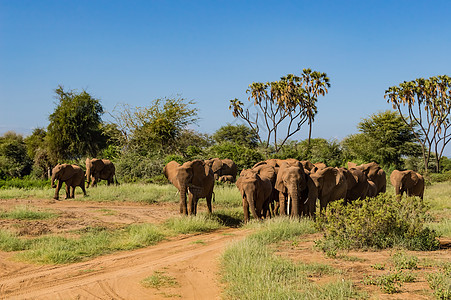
x=72 y=175
x=227 y=178
x=408 y=181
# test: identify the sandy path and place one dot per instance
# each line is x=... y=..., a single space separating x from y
x=193 y=261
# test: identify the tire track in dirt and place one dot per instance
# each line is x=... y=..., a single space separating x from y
x=194 y=265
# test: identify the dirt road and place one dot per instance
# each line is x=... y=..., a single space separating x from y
x=191 y=260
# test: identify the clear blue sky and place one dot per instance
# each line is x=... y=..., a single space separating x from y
x=210 y=51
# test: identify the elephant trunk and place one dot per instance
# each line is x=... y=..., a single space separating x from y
x=295 y=203
x=53 y=180
x=251 y=201
x=183 y=207
x=88 y=175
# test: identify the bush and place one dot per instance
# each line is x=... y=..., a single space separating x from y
x=380 y=222
x=132 y=166
x=24 y=183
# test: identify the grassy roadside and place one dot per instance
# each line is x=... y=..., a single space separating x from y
x=252 y=270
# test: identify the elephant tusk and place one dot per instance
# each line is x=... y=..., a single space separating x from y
x=288 y=207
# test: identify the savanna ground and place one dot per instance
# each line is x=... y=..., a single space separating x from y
x=129 y=242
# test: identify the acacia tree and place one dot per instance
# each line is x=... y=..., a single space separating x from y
x=427 y=103
x=286 y=104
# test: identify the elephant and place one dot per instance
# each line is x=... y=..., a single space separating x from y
x=372 y=189
x=226 y=178
x=98 y=169
x=193 y=177
x=72 y=175
x=297 y=192
x=222 y=167
x=307 y=165
x=374 y=173
x=408 y=181
x=255 y=192
x=331 y=184
x=357 y=184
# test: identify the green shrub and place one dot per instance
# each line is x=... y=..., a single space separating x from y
x=24 y=183
x=391 y=282
x=380 y=222
x=404 y=261
x=440 y=282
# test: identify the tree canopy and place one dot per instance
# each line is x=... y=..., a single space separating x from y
x=75 y=125
x=384 y=138
x=239 y=134
x=282 y=106
x=427 y=103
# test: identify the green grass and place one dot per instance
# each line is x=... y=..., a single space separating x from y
x=251 y=269
x=61 y=250
x=440 y=282
x=54 y=249
x=280 y=229
x=26 y=213
x=159 y=280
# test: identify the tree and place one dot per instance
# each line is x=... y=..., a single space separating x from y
x=14 y=161
x=239 y=134
x=75 y=125
x=282 y=105
x=157 y=127
x=38 y=150
x=384 y=138
x=427 y=103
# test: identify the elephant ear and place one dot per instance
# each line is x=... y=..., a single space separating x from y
x=217 y=165
x=67 y=171
x=351 y=178
x=351 y=165
x=413 y=177
x=330 y=179
x=279 y=185
x=394 y=177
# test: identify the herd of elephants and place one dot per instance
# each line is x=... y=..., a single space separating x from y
x=271 y=187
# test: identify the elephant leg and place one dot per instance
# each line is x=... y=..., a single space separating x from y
x=82 y=186
x=183 y=208
x=282 y=204
x=245 y=210
x=191 y=204
x=57 y=190
x=67 y=191
x=72 y=191
x=208 y=198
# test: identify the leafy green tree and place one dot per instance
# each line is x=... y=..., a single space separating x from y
x=239 y=134
x=384 y=138
x=427 y=103
x=157 y=127
x=75 y=125
x=315 y=150
x=282 y=107
x=243 y=156
x=14 y=161
x=38 y=150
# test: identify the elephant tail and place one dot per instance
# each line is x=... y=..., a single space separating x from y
x=115 y=180
x=214 y=196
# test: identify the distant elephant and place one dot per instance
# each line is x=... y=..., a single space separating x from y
x=331 y=184
x=222 y=167
x=307 y=165
x=193 y=177
x=408 y=181
x=374 y=173
x=72 y=175
x=100 y=169
x=226 y=178
x=297 y=192
x=372 y=189
x=255 y=192
x=357 y=184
